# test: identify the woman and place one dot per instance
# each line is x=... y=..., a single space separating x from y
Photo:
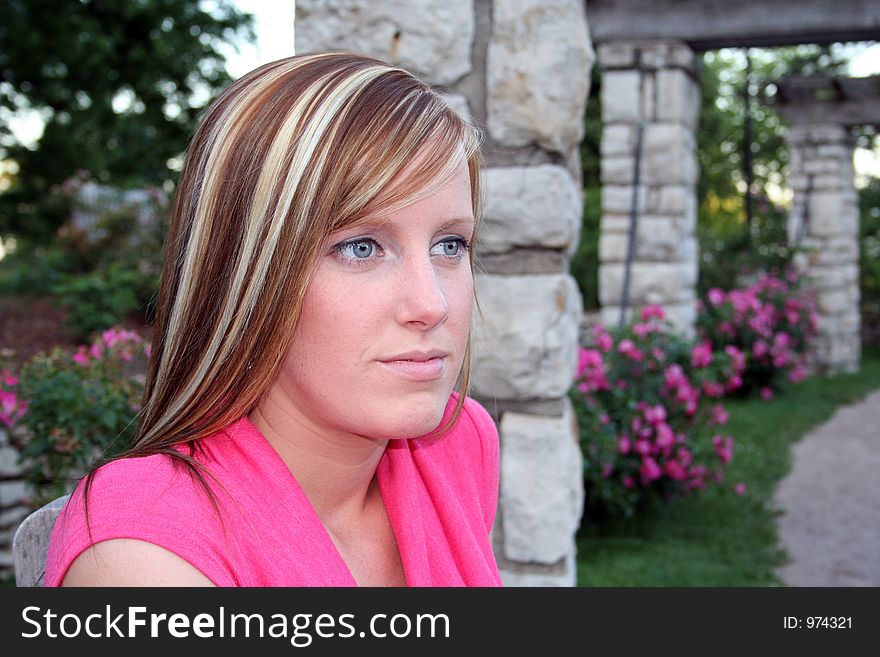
x=299 y=425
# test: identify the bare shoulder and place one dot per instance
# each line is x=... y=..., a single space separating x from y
x=131 y=562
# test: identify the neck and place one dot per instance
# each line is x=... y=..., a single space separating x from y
x=335 y=469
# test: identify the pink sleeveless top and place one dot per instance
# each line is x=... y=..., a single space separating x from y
x=440 y=495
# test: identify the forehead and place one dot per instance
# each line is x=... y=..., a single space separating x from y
x=448 y=196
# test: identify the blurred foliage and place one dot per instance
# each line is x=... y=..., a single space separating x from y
x=730 y=250
x=585 y=261
x=869 y=205
x=118 y=85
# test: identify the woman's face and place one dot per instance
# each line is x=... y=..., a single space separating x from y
x=385 y=320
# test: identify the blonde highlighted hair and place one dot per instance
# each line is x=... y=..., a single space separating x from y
x=289 y=153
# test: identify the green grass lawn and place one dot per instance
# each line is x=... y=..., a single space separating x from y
x=719 y=538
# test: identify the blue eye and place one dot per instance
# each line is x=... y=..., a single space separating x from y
x=453 y=247
x=359 y=249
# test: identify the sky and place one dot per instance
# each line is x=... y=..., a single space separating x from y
x=273 y=24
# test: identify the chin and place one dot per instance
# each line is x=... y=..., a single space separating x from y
x=412 y=419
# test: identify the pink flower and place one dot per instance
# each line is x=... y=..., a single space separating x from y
x=674 y=376
x=623 y=445
x=665 y=437
x=766 y=393
x=642 y=330
x=110 y=337
x=643 y=447
x=604 y=342
x=96 y=350
x=675 y=471
x=740 y=488
x=81 y=357
x=798 y=374
x=719 y=415
x=684 y=456
x=649 y=471
x=11 y=408
x=737 y=356
x=760 y=348
x=7 y=378
x=604 y=419
x=713 y=389
x=659 y=354
x=716 y=296
x=607 y=469
x=653 y=310
x=628 y=482
x=723 y=448
x=626 y=346
x=655 y=414
x=701 y=355
x=734 y=383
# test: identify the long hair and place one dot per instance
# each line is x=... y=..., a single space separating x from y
x=289 y=153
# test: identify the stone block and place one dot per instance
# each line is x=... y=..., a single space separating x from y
x=832 y=302
x=683 y=317
x=658 y=283
x=614 y=223
x=669 y=157
x=678 y=98
x=829 y=277
x=460 y=104
x=537 y=206
x=617 y=199
x=12 y=517
x=562 y=576
x=669 y=54
x=538 y=73
x=831 y=214
x=523 y=261
x=618 y=139
x=621 y=97
x=431 y=39
x=617 y=54
x=13 y=490
x=618 y=170
x=613 y=247
x=647 y=101
x=674 y=200
x=659 y=239
x=541 y=494
x=525 y=347
x=9 y=461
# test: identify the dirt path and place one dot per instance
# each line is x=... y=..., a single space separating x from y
x=830 y=525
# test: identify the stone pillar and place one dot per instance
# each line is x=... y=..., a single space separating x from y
x=13 y=500
x=825 y=220
x=653 y=84
x=521 y=69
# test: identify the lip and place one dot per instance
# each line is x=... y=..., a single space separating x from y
x=418 y=365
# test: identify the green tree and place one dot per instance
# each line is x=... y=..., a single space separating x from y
x=118 y=84
x=727 y=245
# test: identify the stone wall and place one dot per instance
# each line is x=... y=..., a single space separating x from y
x=825 y=220
x=13 y=500
x=652 y=85
x=521 y=68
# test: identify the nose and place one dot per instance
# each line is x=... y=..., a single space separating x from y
x=421 y=297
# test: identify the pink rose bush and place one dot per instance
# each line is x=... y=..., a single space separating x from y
x=649 y=414
x=771 y=323
x=66 y=410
